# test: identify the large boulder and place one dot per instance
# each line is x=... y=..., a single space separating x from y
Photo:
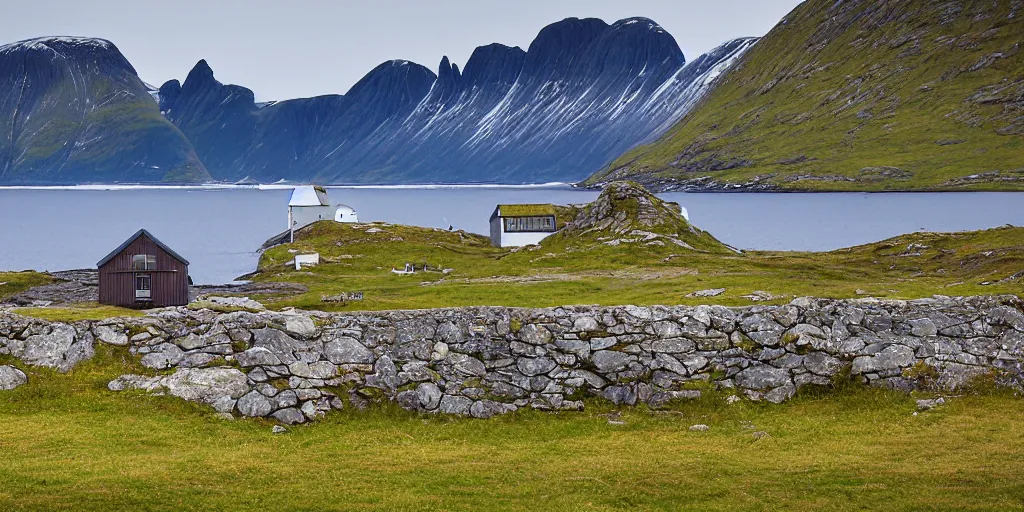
x=11 y=377
x=203 y=385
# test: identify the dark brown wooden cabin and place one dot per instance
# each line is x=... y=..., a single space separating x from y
x=143 y=273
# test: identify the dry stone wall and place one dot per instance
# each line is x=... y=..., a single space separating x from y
x=482 y=361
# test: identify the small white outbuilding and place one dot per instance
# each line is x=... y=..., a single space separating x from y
x=309 y=204
x=345 y=213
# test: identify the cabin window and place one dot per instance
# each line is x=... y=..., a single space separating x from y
x=529 y=224
x=144 y=262
x=143 y=286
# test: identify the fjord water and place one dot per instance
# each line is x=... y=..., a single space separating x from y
x=221 y=230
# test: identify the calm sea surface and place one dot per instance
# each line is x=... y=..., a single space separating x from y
x=220 y=230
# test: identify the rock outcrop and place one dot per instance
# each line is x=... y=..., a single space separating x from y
x=482 y=361
x=626 y=213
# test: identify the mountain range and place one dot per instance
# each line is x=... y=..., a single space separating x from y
x=857 y=95
x=581 y=94
x=849 y=95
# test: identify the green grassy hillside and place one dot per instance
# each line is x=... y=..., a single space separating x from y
x=858 y=95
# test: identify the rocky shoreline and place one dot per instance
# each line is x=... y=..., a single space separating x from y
x=296 y=366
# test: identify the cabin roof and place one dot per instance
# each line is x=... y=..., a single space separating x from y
x=309 y=195
x=525 y=210
x=135 y=237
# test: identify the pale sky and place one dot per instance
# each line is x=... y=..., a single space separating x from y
x=299 y=48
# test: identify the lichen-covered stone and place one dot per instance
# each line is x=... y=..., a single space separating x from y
x=487 y=408
x=889 y=358
x=204 y=385
x=610 y=360
x=111 y=336
x=317 y=370
x=11 y=377
x=254 y=405
x=531 y=366
x=257 y=356
x=467 y=366
x=289 y=416
x=56 y=346
x=429 y=395
x=534 y=334
x=163 y=357
x=451 y=404
x=673 y=346
x=762 y=377
x=346 y=350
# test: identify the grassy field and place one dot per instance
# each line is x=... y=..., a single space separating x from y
x=464 y=270
x=74 y=313
x=15 y=282
x=12 y=283
x=359 y=258
x=68 y=443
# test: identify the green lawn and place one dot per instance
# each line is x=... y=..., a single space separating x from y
x=68 y=443
x=359 y=258
x=74 y=313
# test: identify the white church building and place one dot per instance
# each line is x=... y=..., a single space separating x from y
x=516 y=225
x=309 y=204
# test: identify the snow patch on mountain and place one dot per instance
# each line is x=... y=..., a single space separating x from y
x=57 y=43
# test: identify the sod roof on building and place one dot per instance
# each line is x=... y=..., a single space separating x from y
x=525 y=210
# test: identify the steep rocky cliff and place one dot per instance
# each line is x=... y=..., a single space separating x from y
x=858 y=95
x=289 y=139
x=73 y=110
x=583 y=92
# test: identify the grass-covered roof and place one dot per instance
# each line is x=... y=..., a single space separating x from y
x=525 y=210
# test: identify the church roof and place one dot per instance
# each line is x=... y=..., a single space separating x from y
x=309 y=195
